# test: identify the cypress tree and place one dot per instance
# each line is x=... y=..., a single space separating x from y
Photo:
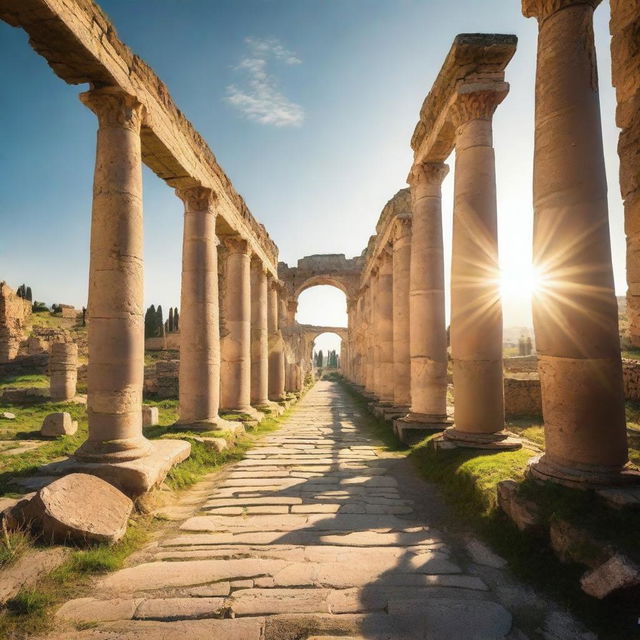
x=29 y=295
x=176 y=326
x=159 y=323
x=149 y=320
x=170 y=321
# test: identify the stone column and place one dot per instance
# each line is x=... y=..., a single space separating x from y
x=116 y=292
x=373 y=335
x=236 y=340
x=401 y=351
x=276 y=346
x=575 y=311
x=259 y=336
x=476 y=309
x=63 y=370
x=384 y=305
x=427 y=327
x=199 y=377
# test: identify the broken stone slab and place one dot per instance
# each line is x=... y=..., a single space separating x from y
x=619 y=572
x=133 y=477
x=28 y=569
x=525 y=514
x=573 y=544
x=481 y=554
x=79 y=508
x=150 y=415
x=58 y=424
x=621 y=497
x=83 y=610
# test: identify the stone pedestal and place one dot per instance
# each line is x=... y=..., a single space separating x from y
x=116 y=295
x=63 y=370
x=199 y=377
x=259 y=336
x=236 y=341
x=476 y=310
x=428 y=337
x=574 y=310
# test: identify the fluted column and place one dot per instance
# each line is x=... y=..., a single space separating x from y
x=236 y=340
x=116 y=291
x=575 y=310
x=401 y=351
x=476 y=308
x=259 y=335
x=427 y=327
x=199 y=382
x=384 y=304
x=276 y=345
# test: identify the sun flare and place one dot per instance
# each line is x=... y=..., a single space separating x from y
x=520 y=281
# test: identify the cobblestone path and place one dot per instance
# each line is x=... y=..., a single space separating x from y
x=318 y=533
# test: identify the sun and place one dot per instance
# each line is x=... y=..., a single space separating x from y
x=520 y=281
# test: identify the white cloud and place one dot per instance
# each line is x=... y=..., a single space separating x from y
x=260 y=98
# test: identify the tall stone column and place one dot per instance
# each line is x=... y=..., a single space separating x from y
x=116 y=291
x=384 y=305
x=199 y=381
x=575 y=310
x=374 y=345
x=276 y=346
x=476 y=308
x=236 y=340
x=427 y=327
x=401 y=351
x=259 y=335
x=368 y=338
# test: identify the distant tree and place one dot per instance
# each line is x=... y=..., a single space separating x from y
x=84 y=316
x=159 y=325
x=29 y=295
x=176 y=318
x=170 y=321
x=149 y=322
x=21 y=291
x=56 y=308
x=320 y=359
x=39 y=307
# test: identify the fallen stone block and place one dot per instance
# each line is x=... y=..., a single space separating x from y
x=7 y=415
x=150 y=416
x=572 y=544
x=524 y=513
x=58 y=424
x=619 y=572
x=80 y=508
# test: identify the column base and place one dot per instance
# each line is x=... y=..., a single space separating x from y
x=124 y=450
x=498 y=441
x=411 y=431
x=132 y=477
x=269 y=408
x=581 y=476
x=249 y=411
x=210 y=424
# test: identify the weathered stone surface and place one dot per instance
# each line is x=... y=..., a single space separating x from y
x=481 y=554
x=58 y=424
x=524 y=513
x=572 y=544
x=150 y=415
x=81 y=508
x=28 y=570
x=85 y=610
x=180 y=608
x=7 y=415
x=619 y=572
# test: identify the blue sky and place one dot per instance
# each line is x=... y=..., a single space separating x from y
x=309 y=106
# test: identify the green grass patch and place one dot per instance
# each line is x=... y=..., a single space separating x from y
x=29 y=380
x=13 y=544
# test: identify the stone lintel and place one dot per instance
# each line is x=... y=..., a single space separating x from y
x=134 y=477
x=473 y=57
x=81 y=46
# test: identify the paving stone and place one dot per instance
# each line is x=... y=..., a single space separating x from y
x=94 y=610
x=179 y=608
x=270 y=601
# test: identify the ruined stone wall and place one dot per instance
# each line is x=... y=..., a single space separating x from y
x=522 y=397
x=625 y=58
x=15 y=314
x=521 y=364
x=631 y=377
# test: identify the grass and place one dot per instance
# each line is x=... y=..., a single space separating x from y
x=30 y=380
x=468 y=480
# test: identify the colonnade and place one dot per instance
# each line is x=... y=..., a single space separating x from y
x=575 y=309
x=231 y=346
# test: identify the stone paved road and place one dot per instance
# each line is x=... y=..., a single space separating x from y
x=318 y=533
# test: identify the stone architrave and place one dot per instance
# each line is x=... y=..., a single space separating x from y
x=384 y=304
x=401 y=348
x=236 y=341
x=574 y=311
x=259 y=335
x=427 y=328
x=116 y=293
x=63 y=370
x=276 y=345
x=476 y=308
x=199 y=373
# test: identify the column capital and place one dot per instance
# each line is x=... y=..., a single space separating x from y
x=402 y=226
x=477 y=104
x=542 y=9
x=197 y=198
x=114 y=107
x=236 y=244
x=428 y=173
x=258 y=265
